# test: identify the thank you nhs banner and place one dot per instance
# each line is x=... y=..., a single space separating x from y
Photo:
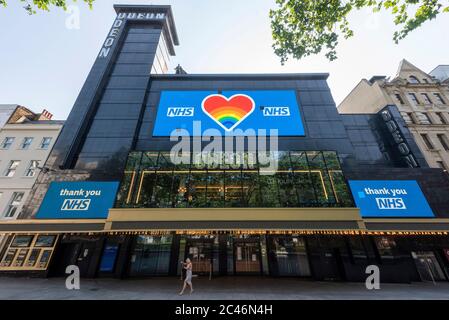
x=78 y=200
x=394 y=199
x=229 y=112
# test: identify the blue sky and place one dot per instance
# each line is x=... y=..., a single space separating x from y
x=43 y=64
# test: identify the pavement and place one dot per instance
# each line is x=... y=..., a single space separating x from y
x=233 y=288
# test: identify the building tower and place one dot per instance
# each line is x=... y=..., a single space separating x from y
x=103 y=123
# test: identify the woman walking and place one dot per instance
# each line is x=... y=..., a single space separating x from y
x=188 y=281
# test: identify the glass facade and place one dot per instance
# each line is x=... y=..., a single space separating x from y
x=288 y=256
x=151 y=255
x=302 y=179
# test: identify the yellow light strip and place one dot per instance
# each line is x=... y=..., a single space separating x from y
x=128 y=199
x=254 y=232
x=332 y=183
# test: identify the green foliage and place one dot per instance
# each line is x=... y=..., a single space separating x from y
x=304 y=27
x=32 y=5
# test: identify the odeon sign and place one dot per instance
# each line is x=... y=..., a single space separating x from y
x=121 y=17
x=398 y=139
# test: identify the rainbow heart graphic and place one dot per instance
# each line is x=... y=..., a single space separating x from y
x=228 y=113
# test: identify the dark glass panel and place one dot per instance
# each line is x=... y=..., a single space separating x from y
x=165 y=161
x=358 y=251
x=341 y=189
x=251 y=193
x=304 y=186
x=303 y=178
x=183 y=161
x=269 y=190
x=180 y=195
x=133 y=162
x=149 y=161
x=146 y=189
x=332 y=161
x=197 y=186
x=162 y=189
x=283 y=160
x=215 y=189
x=385 y=247
x=124 y=195
x=287 y=189
x=320 y=178
x=233 y=188
x=151 y=255
x=299 y=160
x=153 y=179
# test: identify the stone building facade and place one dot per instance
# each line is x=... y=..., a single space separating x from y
x=422 y=100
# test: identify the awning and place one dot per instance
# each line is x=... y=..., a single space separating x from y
x=344 y=220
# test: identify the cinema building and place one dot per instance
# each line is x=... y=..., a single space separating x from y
x=324 y=195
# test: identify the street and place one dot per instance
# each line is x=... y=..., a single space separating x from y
x=235 y=288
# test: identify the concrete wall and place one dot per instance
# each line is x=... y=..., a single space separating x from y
x=366 y=97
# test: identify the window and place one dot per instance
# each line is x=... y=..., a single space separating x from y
x=385 y=247
x=426 y=98
x=441 y=117
x=442 y=165
x=439 y=98
x=21 y=241
x=358 y=250
x=443 y=141
x=426 y=115
x=304 y=179
x=26 y=143
x=13 y=164
x=45 y=241
x=45 y=144
x=28 y=252
x=413 y=98
x=32 y=168
x=426 y=140
x=413 y=79
x=399 y=98
x=151 y=255
x=412 y=117
x=7 y=142
x=13 y=206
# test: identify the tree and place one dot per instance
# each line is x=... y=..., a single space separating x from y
x=304 y=27
x=45 y=5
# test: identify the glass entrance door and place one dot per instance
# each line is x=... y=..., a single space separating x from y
x=201 y=253
x=247 y=258
x=429 y=268
x=288 y=257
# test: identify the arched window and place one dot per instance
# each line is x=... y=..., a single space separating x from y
x=413 y=79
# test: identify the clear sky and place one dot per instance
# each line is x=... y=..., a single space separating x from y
x=43 y=64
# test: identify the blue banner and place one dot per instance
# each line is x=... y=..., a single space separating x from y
x=228 y=112
x=393 y=199
x=78 y=200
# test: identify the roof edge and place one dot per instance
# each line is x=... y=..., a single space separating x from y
x=290 y=76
